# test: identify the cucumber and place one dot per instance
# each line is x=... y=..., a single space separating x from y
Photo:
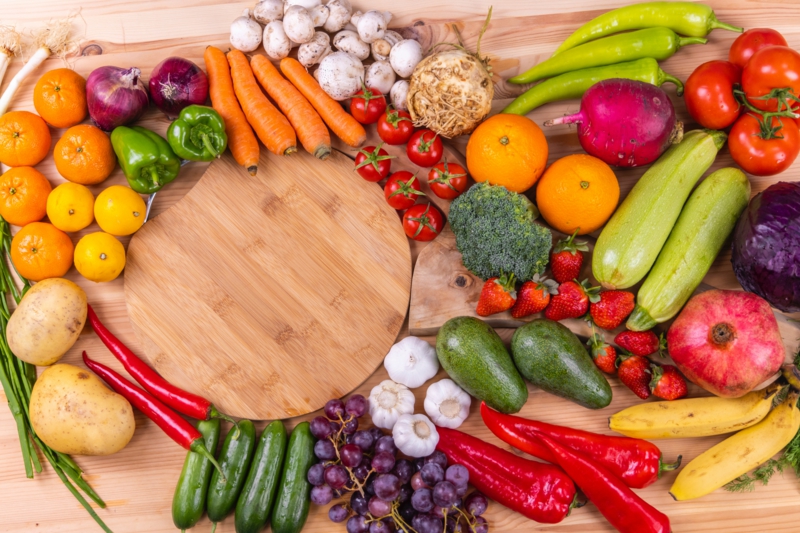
x=258 y=494
x=630 y=242
x=702 y=228
x=189 y=500
x=294 y=493
x=235 y=458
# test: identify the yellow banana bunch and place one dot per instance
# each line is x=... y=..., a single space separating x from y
x=739 y=453
x=693 y=417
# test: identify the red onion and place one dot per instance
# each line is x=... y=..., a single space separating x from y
x=116 y=96
x=176 y=83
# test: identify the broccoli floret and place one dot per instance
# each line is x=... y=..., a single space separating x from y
x=496 y=233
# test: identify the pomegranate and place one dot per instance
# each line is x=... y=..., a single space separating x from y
x=726 y=341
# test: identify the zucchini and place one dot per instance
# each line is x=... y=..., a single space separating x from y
x=702 y=228
x=189 y=500
x=294 y=493
x=234 y=458
x=630 y=242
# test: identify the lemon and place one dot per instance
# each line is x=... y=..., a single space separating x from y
x=119 y=210
x=99 y=257
x=69 y=207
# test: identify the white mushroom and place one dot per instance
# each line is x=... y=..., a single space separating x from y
x=298 y=25
x=372 y=25
x=348 y=41
x=404 y=57
x=276 y=43
x=380 y=76
x=319 y=15
x=355 y=17
x=340 y=74
x=245 y=33
x=381 y=47
x=398 y=95
x=308 y=4
x=313 y=51
x=268 y=10
x=339 y=15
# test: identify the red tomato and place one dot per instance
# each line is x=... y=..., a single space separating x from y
x=395 y=127
x=425 y=148
x=709 y=94
x=402 y=189
x=774 y=67
x=423 y=222
x=759 y=156
x=751 y=42
x=447 y=180
x=368 y=105
x=373 y=163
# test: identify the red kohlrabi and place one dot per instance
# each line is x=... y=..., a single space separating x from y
x=176 y=83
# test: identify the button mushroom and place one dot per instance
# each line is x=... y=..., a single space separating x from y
x=268 y=10
x=246 y=33
x=380 y=76
x=313 y=51
x=276 y=43
x=399 y=94
x=381 y=47
x=298 y=25
x=339 y=15
x=404 y=57
x=340 y=74
x=308 y=4
x=348 y=41
x=319 y=15
x=372 y=25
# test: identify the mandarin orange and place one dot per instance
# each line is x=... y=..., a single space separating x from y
x=23 y=195
x=40 y=251
x=60 y=97
x=24 y=139
x=84 y=155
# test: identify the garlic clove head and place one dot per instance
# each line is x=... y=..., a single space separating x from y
x=415 y=435
x=412 y=362
x=388 y=401
x=447 y=404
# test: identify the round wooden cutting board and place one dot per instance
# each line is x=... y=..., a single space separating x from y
x=271 y=294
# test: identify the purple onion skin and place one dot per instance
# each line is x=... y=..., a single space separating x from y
x=115 y=96
x=176 y=83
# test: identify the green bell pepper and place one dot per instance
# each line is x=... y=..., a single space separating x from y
x=146 y=158
x=198 y=134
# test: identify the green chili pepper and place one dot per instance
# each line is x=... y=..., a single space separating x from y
x=574 y=84
x=198 y=134
x=685 y=18
x=146 y=158
x=658 y=43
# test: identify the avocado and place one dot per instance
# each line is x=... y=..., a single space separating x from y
x=474 y=356
x=551 y=357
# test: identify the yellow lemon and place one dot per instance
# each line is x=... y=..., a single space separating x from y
x=119 y=210
x=69 y=207
x=99 y=257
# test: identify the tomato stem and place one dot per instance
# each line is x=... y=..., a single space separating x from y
x=765 y=118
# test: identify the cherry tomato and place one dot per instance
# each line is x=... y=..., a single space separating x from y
x=425 y=148
x=447 y=180
x=368 y=105
x=759 y=156
x=709 y=94
x=774 y=67
x=402 y=189
x=751 y=42
x=373 y=163
x=395 y=127
x=423 y=222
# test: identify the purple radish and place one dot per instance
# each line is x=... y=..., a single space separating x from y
x=625 y=123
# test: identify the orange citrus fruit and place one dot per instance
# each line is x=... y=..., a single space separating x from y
x=119 y=210
x=40 y=251
x=23 y=195
x=60 y=97
x=577 y=192
x=70 y=207
x=84 y=155
x=24 y=139
x=508 y=150
x=99 y=257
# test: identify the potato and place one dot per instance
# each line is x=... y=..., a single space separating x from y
x=73 y=412
x=47 y=322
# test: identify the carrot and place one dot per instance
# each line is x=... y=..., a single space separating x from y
x=306 y=122
x=342 y=123
x=269 y=124
x=241 y=139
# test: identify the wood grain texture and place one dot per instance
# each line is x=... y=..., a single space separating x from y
x=138 y=482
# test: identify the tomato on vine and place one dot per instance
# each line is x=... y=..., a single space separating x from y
x=367 y=105
x=373 y=163
x=425 y=148
x=709 y=94
x=395 y=126
x=771 y=79
x=764 y=150
x=447 y=180
x=402 y=189
x=423 y=222
x=751 y=42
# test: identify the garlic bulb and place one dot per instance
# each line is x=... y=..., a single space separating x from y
x=447 y=404
x=415 y=435
x=388 y=401
x=412 y=362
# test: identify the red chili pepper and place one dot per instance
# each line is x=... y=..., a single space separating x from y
x=626 y=511
x=538 y=491
x=170 y=422
x=637 y=462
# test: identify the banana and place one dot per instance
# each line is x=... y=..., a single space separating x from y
x=693 y=417
x=739 y=453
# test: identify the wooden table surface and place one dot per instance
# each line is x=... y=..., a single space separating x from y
x=137 y=483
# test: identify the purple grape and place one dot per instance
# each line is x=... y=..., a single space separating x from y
x=458 y=475
x=418 y=520
x=325 y=450
x=334 y=409
x=335 y=427
x=387 y=487
x=422 y=500
x=321 y=495
x=385 y=444
x=407 y=512
x=338 y=513
x=444 y=494
x=351 y=426
x=369 y=486
x=379 y=507
x=405 y=493
x=419 y=462
x=417 y=482
x=481 y=525
x=476 y=503
x=348 y=439
x=320 y=428
x=357 y=524
x=336 y=476
x=316 y=474
x=358 y=504
x=362 y=471
x=383 y=462
x=403 y=469
x=351 y=455
x=437 y=457
x=363 y=439
x=427 y=524
x=356 y=405
x=376 y=433
x=432 y=473
x=379 y=526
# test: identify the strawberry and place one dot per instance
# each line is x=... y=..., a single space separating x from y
x=667 y=383
x=604 y=355
x=533 y=296
x=572 y=300
x=497 y=295
x=612 y=309
x=634 y=372
x=641 y=342
x=566 y=258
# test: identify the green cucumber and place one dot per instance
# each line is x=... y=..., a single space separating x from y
x=704 y=224
x=234 y=458
x=189 y=500
x=258 y=494
x=629 y=244
x=294 y=493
